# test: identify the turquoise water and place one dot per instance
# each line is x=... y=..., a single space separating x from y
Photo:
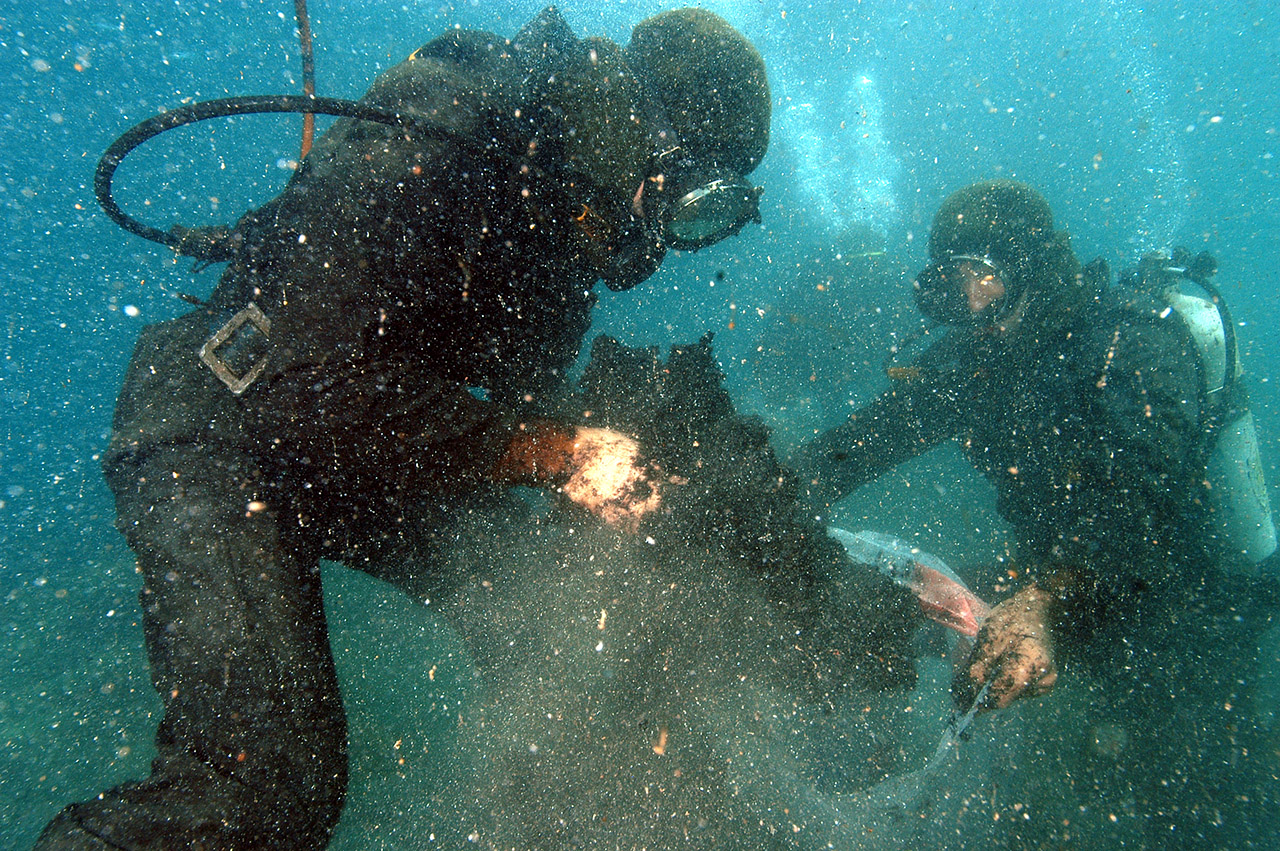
x=1145 y=125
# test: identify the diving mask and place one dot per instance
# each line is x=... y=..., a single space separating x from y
x=701 y=205
x=965 y=289
x=678 y=207
x=709 y=210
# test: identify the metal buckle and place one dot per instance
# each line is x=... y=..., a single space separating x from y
x=237 y=384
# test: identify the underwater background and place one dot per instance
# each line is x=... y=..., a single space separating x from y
x=1146 y=126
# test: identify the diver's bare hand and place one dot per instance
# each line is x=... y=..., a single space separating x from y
x=1014 y=650
x=607 y=479
x=596 y=468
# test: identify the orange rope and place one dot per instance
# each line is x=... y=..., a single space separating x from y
x=308 y=74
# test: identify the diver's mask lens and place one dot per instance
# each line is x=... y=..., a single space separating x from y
x=963 y=289
x=711 y=211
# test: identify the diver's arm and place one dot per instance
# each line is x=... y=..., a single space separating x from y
x=904 y=422
x=385 y=428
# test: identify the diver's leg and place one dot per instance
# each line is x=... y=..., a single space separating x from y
x=252 y=747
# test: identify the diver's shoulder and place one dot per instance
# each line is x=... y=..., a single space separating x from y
x=436 y=77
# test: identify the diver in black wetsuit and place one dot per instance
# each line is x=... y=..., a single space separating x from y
x=1087 y=408
x=384 y=349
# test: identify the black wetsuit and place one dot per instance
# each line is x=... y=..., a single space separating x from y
x=1093 y=436
x=390 y=314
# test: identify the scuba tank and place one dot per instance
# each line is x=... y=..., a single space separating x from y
x=1238 y=501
